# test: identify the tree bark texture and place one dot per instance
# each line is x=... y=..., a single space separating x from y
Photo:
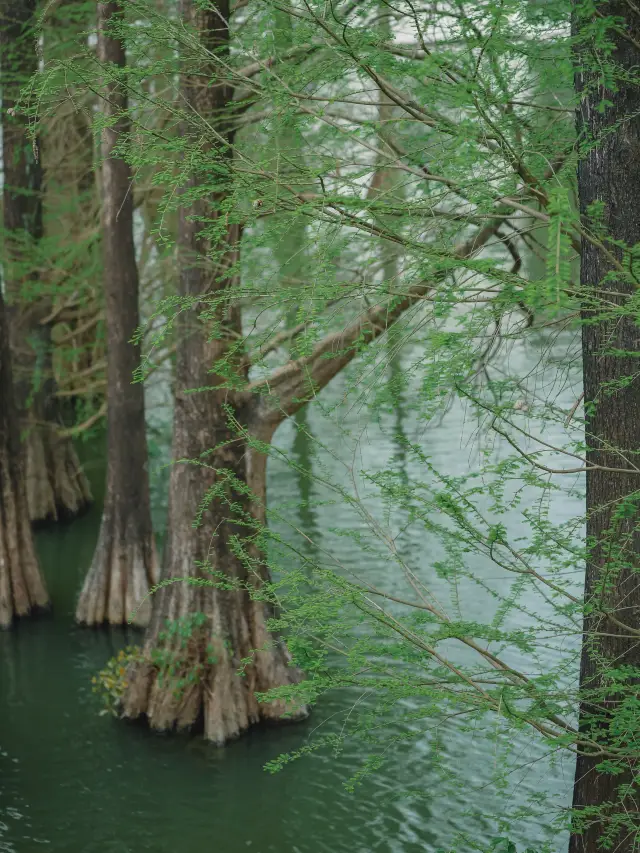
x=21 y=585
x=56 y=485
x=609 y=174
x=198 y=634
x=124 y=565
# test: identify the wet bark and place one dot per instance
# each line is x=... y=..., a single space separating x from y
x=21 y=586
x=124 y=565
x=609 y=174
x=199 y=634
x=56 y=485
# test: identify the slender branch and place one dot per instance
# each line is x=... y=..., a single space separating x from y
x=85 y=425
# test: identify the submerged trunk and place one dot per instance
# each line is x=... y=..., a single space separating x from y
x=57 y=488
x=200 y=635
x=56 y=485
x=21 y=586
x=124 y=565
x=610 y=174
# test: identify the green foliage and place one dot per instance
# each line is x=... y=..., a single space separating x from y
x=178 y=659
x=421 y=176
x=111 y=681
x=503 y=845
x=178 y=663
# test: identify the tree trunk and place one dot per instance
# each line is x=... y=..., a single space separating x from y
x=124 y=565
x=21 y=585
x=200 y=635
x=72 y=220
x=56 y=485
x=609 y=174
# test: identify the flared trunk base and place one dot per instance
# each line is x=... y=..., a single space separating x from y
x=57 y=488
x=199 y=670
x=22 y=588
x=117 y=586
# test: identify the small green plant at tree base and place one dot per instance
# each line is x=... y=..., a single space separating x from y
x=177 y=662
x=110 y=683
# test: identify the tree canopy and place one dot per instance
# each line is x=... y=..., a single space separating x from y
x=396 y=197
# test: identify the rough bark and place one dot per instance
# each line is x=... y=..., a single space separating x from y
x=72 y=219
x=216 y=698
x=21 y=585
x=56 y=485
x=124 y=565
x=610 y=174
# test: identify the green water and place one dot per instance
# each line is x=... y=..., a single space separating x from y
x=74 y=782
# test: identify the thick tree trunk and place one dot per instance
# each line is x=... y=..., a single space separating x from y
x=610 y=174
x=124 y=564
x=21 y=585
x=72 y=219
x=56 y=486
x=200 y=635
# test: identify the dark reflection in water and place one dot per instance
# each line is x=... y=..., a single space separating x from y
x=302 y=455
x=75 y=782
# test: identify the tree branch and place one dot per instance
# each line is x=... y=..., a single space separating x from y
x=293 y=385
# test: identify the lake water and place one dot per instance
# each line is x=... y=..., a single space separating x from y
x=74 y=782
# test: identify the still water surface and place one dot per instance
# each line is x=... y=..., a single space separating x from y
x=74 y=782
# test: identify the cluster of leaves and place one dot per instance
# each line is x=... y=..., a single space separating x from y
x=111 y=682
x=179 y=664
x=178 y=660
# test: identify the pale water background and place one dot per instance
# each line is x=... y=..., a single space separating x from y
x=74 y=782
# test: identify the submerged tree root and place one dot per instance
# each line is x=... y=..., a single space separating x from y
x=57 y=488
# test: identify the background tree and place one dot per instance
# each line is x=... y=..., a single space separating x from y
x=21 y=585
x=125 y=564
x=606 y=794
x=73 y=262
x=56 y=485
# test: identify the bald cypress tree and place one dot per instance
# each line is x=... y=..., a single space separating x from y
x=56 y=485
x=606 y=802
x=124 y=564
